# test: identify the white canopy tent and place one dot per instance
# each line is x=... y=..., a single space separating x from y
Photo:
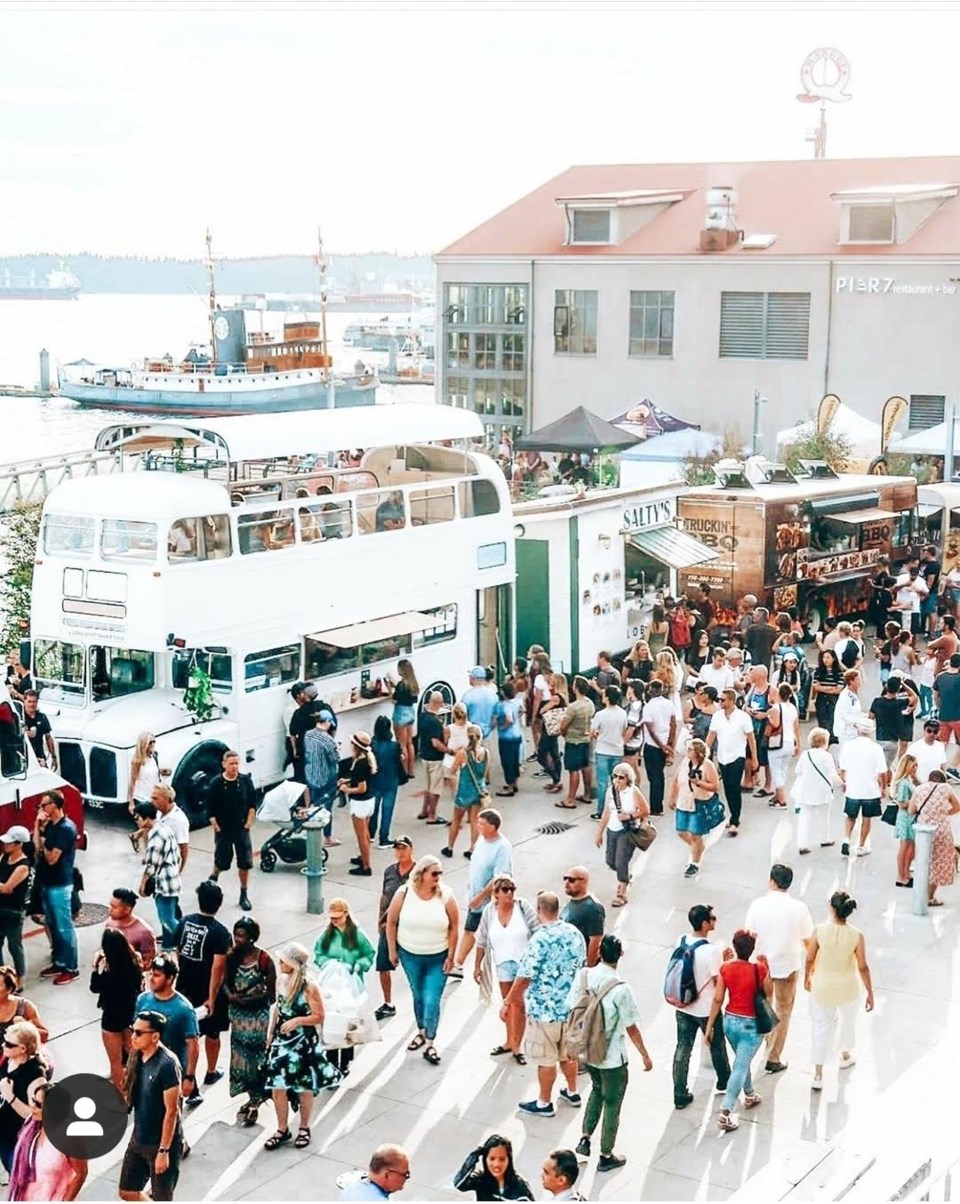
x=863 y=434
x=931 y=442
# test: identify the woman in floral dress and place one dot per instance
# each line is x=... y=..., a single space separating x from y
x=934 y=802
x=251 y=987
x=295 y=1057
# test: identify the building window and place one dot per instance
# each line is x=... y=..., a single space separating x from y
x=870 y=223
x=764 y=326
x=512 y=352
x=457 y=391
x=484 y=352
x=926 y=410
x=575 y=321
x=651 y=323
x=458 y=349
x=590 y=226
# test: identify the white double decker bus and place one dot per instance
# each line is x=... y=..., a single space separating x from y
x=232 y=545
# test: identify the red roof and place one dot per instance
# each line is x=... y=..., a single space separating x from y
x=789 y=199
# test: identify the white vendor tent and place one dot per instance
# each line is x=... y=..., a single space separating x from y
x=931 y=442
x=863 y=434
x=660 y=460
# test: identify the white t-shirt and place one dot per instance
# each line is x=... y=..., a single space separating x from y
x=507 y=944
x=731 y=732
x=707 y=960
x=658 y=713
x=929 y=757
x=861 y=761
x=628 y=805
x=782 y=924
x=609 y=723
x=541 y=689
x=178 y=824
x=848 y=711
x=721 y=679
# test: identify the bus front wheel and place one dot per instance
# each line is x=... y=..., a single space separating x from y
x=193 y=778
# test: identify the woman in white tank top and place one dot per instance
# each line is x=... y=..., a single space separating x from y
x=506 y=926
x=422 y=925
x=144 y=776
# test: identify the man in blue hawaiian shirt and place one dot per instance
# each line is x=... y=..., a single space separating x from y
x=545 y=978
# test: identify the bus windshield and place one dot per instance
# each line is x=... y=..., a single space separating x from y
x=215 y=662
x=58 y=667
x=118 y=671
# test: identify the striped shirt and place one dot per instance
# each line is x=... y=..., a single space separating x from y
x=161 y=861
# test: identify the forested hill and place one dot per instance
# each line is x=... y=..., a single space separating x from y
x=368 y=272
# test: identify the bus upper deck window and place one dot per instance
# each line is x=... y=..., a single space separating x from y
x=192 y=539
x=68 y=535
x=478 y=498
x=266 y=531
x=182 y=540
x=123 y=539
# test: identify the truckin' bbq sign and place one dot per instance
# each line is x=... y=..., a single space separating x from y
x=715 y=532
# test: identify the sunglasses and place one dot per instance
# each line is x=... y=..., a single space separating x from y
x=567 y=878
x=436 y=873
x=621 y=777
x=507 y=890
x=10 y=1045
x=138 y=1032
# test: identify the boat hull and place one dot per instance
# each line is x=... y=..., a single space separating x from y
x=217 y=403
x=40 y=293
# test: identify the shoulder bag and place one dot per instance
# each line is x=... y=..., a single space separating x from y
x=482 y=791
x=640 y=832
x=767 y=1018
x=774 y=733
x=552 y=720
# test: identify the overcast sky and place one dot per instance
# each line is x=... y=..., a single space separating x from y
x=128 y=128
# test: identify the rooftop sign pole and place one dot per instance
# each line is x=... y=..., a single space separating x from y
x=824 y=75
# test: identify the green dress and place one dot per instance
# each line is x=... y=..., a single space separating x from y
x=248 y=1032
x=905 y=827
x=296 y=1061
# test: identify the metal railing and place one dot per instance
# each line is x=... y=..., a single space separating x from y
x=30 y=481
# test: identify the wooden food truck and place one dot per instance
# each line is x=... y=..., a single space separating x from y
x=809 y=540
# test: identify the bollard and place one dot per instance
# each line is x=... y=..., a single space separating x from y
x=314 y=867
x=923 y=847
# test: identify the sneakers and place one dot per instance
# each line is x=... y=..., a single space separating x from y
x=64 y=977
x=684 y=1102
x=845 y=849
x=385 y=1011
x=751 y=1101
x=863 y=852
x=245 y=904
x=455 y=972
x=691 y=871
x=847 y=1062
x=775 y=1067
x=817 y=1084
x=446 y=851
x=611 y=1162
x=356 y=861
x=583 y=1149
x=727 y=1120
x=50 y=972
x=533 y=1107
x=384 y=845
x=195 y=1099
x=571 y=1097
x=211 y=1077
x=359 y=872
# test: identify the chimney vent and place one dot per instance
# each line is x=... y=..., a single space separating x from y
x=720 y=228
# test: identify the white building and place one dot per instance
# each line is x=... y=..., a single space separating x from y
x=698 y=285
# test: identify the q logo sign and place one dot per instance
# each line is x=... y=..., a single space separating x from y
x=825 y=74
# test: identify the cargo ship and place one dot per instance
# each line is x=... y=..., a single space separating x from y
x=58 y=285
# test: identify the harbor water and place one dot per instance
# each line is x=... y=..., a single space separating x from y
x=117 y=329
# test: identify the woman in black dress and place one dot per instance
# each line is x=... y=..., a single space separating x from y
x=116 y=980
x=827 y=687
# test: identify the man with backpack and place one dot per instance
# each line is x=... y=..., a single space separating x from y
x=599 y=1024
x=689 y=986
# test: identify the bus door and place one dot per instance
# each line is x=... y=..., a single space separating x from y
x=268 y=674
x=495 y=628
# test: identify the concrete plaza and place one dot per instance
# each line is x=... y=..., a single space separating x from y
x=440 y=1113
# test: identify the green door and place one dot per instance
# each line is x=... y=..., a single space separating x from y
x=533 y=594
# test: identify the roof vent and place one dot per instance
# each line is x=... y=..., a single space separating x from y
x=818 y=470
x=731 y=474
x=720 y=228
x=758 y=242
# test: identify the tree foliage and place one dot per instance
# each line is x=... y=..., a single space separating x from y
x=18 y=547
x=698 y=470
x=835 y=449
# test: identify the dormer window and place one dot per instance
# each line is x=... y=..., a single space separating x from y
x=590 y=226
x=888 y=215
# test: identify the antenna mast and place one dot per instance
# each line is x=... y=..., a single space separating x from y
x=824 y=75
x=322 y=274
x=212 y=282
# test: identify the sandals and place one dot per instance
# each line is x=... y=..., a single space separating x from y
x=555 y=788
x=281 y=1137
x=506 y=793
x=520 y=1059
x=566 y=806
x=581 y=799
x=430 y=1055
x=618 y=901
x=303 y=1139
x=500 y=1049
x=762 y=793
x=418 y=1042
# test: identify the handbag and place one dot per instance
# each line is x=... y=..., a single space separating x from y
x=890 y=813
x=767 y=1018
x=552 y=720
x=641 y=834
x=712 y=811
x=774 y=735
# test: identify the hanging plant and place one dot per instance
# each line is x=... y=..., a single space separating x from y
x=198 y=696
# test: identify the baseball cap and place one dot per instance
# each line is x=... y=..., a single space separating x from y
x=405 y=841
x=325 y=716
x=15 y=835
x=165 y=963
x=297 y=688
x=478 y=673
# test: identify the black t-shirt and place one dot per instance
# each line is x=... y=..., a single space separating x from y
x=759 y=640
x=199 y=939
x=403 y=696
x=928 y=568
x=361 y=775
x=40 y=727
x=17 y=899
x=231 y=802
x=62 y=836
x=587 y=915
x=303 y=719
x=21 y=1077
x=947 y=686
x=886 y=712
x=152 y=1078
x=429 y=729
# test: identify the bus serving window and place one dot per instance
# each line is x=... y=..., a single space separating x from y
x=115 y=672
x=194 y=539
x=275 y=667
x=478 y=498
x=326 y=660
x=265 y=531
x=381 y=511
x=828 y=536
x=59 y=668
x=433 y=505
x=217 y=663
x=121 y=539
x=68 y=535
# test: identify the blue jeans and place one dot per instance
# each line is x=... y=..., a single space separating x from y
x=168 y=908
x=425 y=975
x=59 y=921
x=510 y=760
x=605 y=764
x=383 y=812
x=745 y=1041
x=926 y=701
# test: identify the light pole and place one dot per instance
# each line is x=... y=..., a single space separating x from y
x=758 y=401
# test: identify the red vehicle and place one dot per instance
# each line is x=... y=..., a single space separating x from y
x=22 y=780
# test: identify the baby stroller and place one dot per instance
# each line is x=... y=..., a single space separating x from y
x=283 y=806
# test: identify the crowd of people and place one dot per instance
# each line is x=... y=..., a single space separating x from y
x=702 y=721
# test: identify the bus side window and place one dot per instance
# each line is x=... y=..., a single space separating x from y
x=477 y=498
x=191 y=539
x=182 y=539
x=381 y=511
x=275 y=667
x=433 y=505
x=266 y=531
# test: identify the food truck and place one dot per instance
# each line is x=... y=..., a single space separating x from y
x=809 y=539
x=590 y=566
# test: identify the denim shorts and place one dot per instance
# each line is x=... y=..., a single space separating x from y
x=403 y=716
x=507 y=971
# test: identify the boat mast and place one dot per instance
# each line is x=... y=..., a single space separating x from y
x=322 y=273
x=212 y=281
